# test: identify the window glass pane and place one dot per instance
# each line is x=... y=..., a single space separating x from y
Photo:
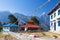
x=55 y=26
x=51 y=23
x=59 y=12
x=51 y=16
x=54 y=15
x=58 y=23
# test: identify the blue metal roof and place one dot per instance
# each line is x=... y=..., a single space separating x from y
x=10 y=25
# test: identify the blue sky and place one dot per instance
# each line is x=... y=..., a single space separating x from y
x=26 y=6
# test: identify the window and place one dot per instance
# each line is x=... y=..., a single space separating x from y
x=51 y=23
x=54 y=15
x=51 y=16
x=55 y=25
x=59 y=23
x=59 y=12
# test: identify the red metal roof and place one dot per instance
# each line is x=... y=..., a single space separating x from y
x=29 y=26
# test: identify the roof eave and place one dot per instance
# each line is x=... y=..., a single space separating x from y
x=54 y=8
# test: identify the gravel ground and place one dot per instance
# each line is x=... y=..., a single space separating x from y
x=2 y=38
x=19 y=36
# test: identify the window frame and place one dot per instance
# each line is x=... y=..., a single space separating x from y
x=58 y=12
x=51 y=24
x=58 y=22
x=54 y=15
x=51 y=16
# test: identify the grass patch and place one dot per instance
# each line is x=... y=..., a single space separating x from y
x=2 y=35
x=9 y=37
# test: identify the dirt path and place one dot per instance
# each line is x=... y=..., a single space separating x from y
x=43 y=34
x=2 y=38
x=30 y=36
x=24 y=36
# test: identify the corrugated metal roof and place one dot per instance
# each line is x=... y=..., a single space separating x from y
x=29 y=26
x=10 y=25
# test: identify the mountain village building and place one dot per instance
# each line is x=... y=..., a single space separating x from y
x=29 y=26
x=10 y=28
x=55 y=18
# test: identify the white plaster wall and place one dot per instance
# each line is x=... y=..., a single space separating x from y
x=6 y=29
x=56 y=18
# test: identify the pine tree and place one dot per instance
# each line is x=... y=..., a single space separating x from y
x=12 y=19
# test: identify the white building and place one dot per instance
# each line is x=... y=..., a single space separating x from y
x=55 y=18
x=10 y=28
